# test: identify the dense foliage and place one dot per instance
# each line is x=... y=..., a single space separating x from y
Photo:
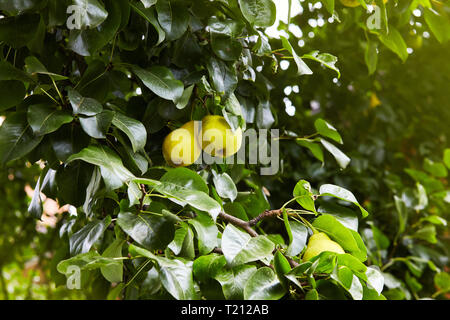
x=361 y=103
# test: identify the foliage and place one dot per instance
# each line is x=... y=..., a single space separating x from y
x=364 y=155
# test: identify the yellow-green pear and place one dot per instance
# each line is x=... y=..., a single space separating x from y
x=318 y=243
x=181 y=147
x=218 y=139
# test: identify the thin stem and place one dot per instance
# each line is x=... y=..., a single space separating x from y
x=57 y=90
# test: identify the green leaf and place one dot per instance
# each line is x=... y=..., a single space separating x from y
x=161 y=81
x=427 y=233
x=337 y=232
x=97 y=126
x=34 y=66
x=447 y=157
x=186 y=178
x=176 y=275
x=173 y=17
x=233 y=280
x=134 y=130
x=44 y=118
x=439 y=24
x=148 y=3
x=151 y=231
x=394 y=41
x=114 y=271
x=208 y=266
x=301 y=65
x=357 y=267
x=263 y=285
x=315 y=149
x=303 y=195
x=437 y=169
x=82 y=105
x=88 y=41
x=340 y=157
x=312 y=295
x=264 y=115
x=282 y=267
x=375 y=278
x=226 y=47
x=224 y=185
x=223 y=77
x=325 y=59
x=206 y=231
x=239 y=247
x=184 y=195
x=344 y=215
x=185 y=97
x=329 y=4
x=16 y=138
x=236 y=210
x=341 y=193
x=182 y=243
x=442 y=281
x=327 y=130
x=84 y=239
x=149 y=14
x=92 y=13
x=35 y=208
x=299 y=237
x=113 y=172
x=86 y=261
x=9 y=72
x=12 y=93
x=371 y=56
x=260 y=13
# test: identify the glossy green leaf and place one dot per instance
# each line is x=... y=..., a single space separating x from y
x=233 y=280
x=263 y=285
x=261 y=13
x=302 y=67
x=206 y=232
x=82 y=105
x=161 y=81
x=97 y=126
x=16 y=138
x=45 y=118
x=303 y=195
x=173 y=17
x=225 y=186
x=299 y=236
x=133 y=128
x=327 y=130
x=84 y=239
x=151 y=231
x=343 y=194
x=239 y=247
x=114 y=271
x=113 y=172
x=340 y=157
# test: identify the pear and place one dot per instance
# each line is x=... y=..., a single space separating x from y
x=218 y=139
x=318 y=243
x=181 y=147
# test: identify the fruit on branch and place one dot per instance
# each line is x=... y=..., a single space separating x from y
x=219 y=140
x=181 y=147
x=318 y=243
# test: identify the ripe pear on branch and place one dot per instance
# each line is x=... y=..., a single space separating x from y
x=181 y=147
x=318 y=243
